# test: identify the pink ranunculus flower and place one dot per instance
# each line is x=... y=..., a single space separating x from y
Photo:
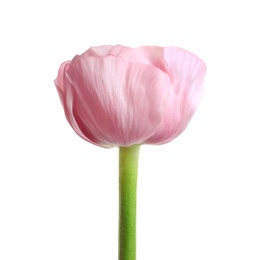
x=119 y=96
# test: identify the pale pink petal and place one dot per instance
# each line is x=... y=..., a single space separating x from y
x=118 y=50
x=60 y=80
x=105 y=50
x=118 y=102
x=99 y=51
x=188 y=74
x=150 y=55
x=65 y=91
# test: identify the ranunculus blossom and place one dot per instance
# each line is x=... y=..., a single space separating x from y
x=119 y=96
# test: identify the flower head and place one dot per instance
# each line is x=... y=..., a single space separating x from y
x=119 y=96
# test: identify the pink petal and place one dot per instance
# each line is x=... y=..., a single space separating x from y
x=59 y=81
x=117 y=102
x=65 y=91
x=188 y=73
x=105 y=50
x=99 y=51
x=150 y=55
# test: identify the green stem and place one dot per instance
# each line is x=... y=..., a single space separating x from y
x=128 y=173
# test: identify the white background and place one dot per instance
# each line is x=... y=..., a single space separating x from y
x=59 y=194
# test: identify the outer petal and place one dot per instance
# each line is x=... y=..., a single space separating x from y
x=117 y=102
x=60 y=81
x=188 y=74
x=65 y=91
